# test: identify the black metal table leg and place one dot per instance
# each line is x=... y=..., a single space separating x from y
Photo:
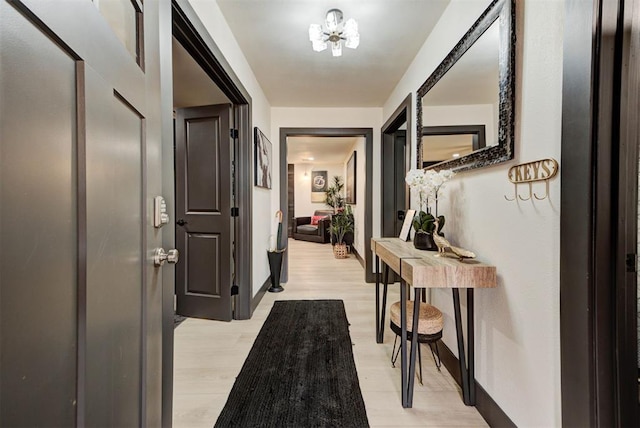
x=384 y=302
x=470 y=348
x=414 y=345
x=377 y=299
x=461 y=353
x=403 y=340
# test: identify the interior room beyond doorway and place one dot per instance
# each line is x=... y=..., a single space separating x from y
x=314 y=164
x=359 y=162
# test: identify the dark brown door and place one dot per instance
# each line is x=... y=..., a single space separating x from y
x=80 y=301
x=204 y=227
x=399 y=171
x=291 y=197
x=393 y=173
x=393 y=185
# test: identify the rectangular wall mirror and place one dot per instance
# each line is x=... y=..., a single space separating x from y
x=465 y=116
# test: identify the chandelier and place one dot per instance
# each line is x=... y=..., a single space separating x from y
x=334 y=33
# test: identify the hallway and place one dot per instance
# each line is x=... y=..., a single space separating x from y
x=209 y=355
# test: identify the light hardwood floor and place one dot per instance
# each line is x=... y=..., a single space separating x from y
x=209 y=355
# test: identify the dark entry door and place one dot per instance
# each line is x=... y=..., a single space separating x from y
x=393 y=173
x=399 y=171
x=394 y=198
x=80 y=298
x=204 y=227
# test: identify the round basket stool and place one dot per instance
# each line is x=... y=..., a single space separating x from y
x=430 y=323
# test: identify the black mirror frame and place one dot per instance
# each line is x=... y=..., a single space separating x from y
x=505 y=11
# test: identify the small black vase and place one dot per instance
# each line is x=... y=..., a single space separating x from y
x=424 y=241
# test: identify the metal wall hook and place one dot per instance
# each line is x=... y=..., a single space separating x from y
x=529 y=173
x=525 y=199
x=546 y=194
x=515 y=192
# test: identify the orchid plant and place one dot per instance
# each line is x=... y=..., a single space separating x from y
x=425 y=186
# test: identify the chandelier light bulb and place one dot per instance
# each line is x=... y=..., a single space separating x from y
x=315 y=32
x=352 y=42
x=319 y=46
x=334 y=19
x=336 y=48
x=334 y=33
x=351 y=28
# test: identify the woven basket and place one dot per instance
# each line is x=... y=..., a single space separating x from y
x=340 y=251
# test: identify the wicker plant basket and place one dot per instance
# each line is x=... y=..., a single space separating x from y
x=340 y=251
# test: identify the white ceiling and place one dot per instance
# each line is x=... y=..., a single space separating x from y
x=323 y=150
x=273 y=35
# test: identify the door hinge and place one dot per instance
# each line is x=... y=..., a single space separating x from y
x=233 y=133
x=235 y=212
x=234 y=290
x=632 y=262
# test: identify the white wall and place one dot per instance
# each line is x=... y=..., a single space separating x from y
x=359 y=208
x=286 y=117
x=303 y=205
x=517 y=323
x=212 y=18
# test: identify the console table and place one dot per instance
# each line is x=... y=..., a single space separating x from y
x=421 y=270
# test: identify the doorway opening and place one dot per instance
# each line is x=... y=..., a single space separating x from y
x=224 y=109
x=316 y=165
x=203 y=191
x=599 y=323
x=190 y=34
x=362 y=204
x=395 y=162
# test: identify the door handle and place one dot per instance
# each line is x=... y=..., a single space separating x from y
x=181 y=222
x=400 y=214
x=160 y=257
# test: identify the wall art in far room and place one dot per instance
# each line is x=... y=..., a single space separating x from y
x=351 y=180
x=318 y=186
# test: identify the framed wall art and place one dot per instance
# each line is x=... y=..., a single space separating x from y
x=318 y=186
x=350 y=197
x=406 y=225
x=262 y=159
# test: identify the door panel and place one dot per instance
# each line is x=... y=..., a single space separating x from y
x=393 y=173
x=388 y=185
x=400 y=141
x=38 y=251
x=203 y=276
x=393 y=185
x=92 y=39
x=291 y=198
x=203 y=160
x=78 y=344
x=203 y=203
x=115 y=142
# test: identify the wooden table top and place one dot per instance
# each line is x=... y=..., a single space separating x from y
x=427 y=269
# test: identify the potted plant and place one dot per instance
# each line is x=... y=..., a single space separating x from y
x=425 y=185
x=341 y=224
x=333 y=195
x=424 y=225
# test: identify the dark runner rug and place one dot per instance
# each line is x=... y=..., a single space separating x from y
x=299 y=373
